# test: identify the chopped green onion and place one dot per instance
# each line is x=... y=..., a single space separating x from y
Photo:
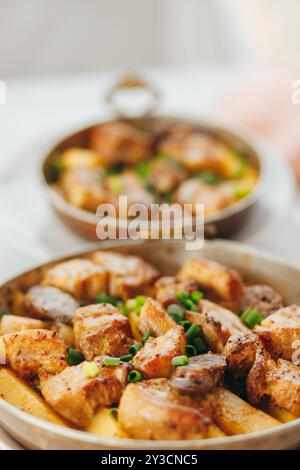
x=143 y=169
x=131 y=304
x=197 y=295
x=123 y=307
x=243 y=166
x=82 y=303
x=55 y=170
x=146 y=337
x=190 y=350
x=104 y=298
x=176 y=312
x=208 y=177
x=116 y=184
x=126 y=358
x=190 y=305
x=134 y=376
x=252 y=317
x=135 y=348
x=186 y=324
x=111 y=361
x=182 y=296
x=180 y=361
x=199 y=344
x=192 y=332
x=91 y=370
x=241 y=191
x=140 y=299
x=113 y=412
x=169 y=197
x=74 y=357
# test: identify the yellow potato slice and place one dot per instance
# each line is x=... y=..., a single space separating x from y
x=133 y=321
x=105 y=424
x=18 y=393
x=284 y=416
x=80 y=158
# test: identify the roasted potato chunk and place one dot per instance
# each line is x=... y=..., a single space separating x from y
x=154 y=319
x=33 y=354
x=102 y=329
x=154 y=360
x=225 y=282
x=49 y=303
x=151 y=410
x=75 y=396
x=77 y=157
x=217 y=324
x=128 y=275
x=79 y=277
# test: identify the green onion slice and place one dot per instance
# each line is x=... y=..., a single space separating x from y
x=74 y=357
x=111 y=361
x=251 y=317
x=134 y=376
x=180 y=361
x=176 y=312
x=192 y=332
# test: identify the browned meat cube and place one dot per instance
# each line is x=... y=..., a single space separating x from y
x=84 y=188
x=240 y=352
x=80 y=277
x=49 y=303
x=154 y=360
x=119 y=142
x=128 y=275
x=201 y=376
x=101 y=329
x=166 y=288
x=76 y=396
x=166 y=174
x=280 y=332
x=13 y=324
x=154 y=319
x=261 y=297
x=33 y=353
x=152 y=410
x=194 y=191
x=217 y=324
x=225 y=282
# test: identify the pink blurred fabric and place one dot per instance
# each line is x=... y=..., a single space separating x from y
x=262 y=104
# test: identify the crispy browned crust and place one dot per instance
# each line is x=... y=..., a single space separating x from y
x=154 y=319
x=165 y=289
x=154 y=360
x=261 y=297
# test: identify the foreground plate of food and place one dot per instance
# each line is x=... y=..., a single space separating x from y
x=145 y=344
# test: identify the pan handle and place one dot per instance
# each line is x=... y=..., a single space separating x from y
x=130 y=82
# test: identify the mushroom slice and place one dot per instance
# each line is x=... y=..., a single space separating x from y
x=280 y=332
x=152 y=410
x=79 y=277
x=128 y=275
x=225 y=282
x=154 y=319
x=154 y=360
x=33 y=353
x=217 y=324
x=49 y=303
x=75 y=396
x=201 y=376
x=101 y=329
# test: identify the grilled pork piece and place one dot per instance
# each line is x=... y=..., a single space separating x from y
x=278 y=381
x=49 y=303
x=75 y=396
x=280 y=332
x=84 y=188
x=194 y=191
x=225 y=282
x=167 y=287
x=80 y=277
x=13 y=324
x=119 y=142
x=201 y=376
x=128 y=275
x=261 y=297
x=154 y=360
x=152 y=410
x=154 y=319
x=33 y=353
x=166 y=174
x=101 y=329
x=217 y=324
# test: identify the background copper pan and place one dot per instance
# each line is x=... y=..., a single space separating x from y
x=167 y=256
x=223 y=224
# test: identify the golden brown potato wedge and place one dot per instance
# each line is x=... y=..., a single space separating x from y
x=105 y=424
x=18 y=393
